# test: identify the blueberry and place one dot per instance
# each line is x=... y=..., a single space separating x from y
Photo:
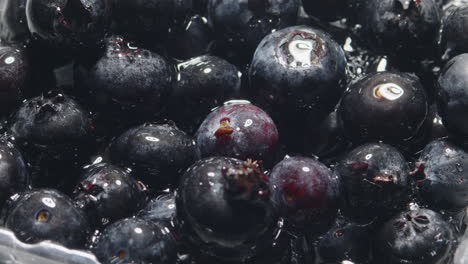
x=127 y=79
x=14 y=175
x=305 y=192
x=47 y=214
x=223 y=205
x=414 y=236
x=345 y=241
x=108 y=193
x=452 y=39
x=240 y=130
x=392 y=108
x=15 y=73
x=160 y=209
x=401 y=27
x=203 y=83
x=157 y=153
x=243 y=24
x=13 y=23
x=68 y=23
x=296 y=72
x=452 y=95
x=135 y=240
x=375 y=181
x=442 y=176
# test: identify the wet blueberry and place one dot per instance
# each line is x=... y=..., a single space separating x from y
x=375 y=181
x=127 y=80
x=305 y=192
x=47 y=214
x=452 y=95
x=14 y=175
x=442 y=176
x=203 y=83
x=385 y=106
x=108 y=193
x=401 y=27
x=223 y=205
x=243 y=24
x=240 y=130
x=15 y=73
x=297 y=72
x=134 y=240
x=157 y=153
x=414 y=236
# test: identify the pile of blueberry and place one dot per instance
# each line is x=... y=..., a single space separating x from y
x=236 y=131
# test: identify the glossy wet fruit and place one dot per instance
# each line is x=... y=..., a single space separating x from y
x=224 y=207
x=158 y=154
x=297 y=72
x=239 y=130
x=47 y=214
x=375 y=181
x=441 y=176
x=135 y=240
x=305 y=192
x=392 y=108
x=415 y=236
x=453 y=95
x=107 y=193
x=14 y=174
x=243 y=24
x=452 y=40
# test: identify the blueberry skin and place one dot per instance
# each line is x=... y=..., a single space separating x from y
x=68 y=23
x=127 y=78
x=203 y=83
x=387 y=101
x=452 y=95
x=134 y=240
x=375 y=181
x=444 y=172
x=52 y=123
x=213 y=222
x=452 y=38
x=46 y=214
x=298 y=70
x=414 y=236
x=160 y=209
x=238 y=130
x=305 y=192
x=401 y=27
x=157 y=153
x=345 y=240
x=243 y=23
x=14 y=175
x=107 y=193
x=15 y=73
x=13 y=23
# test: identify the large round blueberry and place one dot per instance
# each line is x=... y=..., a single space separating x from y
x=385 y=106
x=305 y=192
x=203 y=83
x=442 y=176
x=298 y=71
x=375 y=181
x=453 y=95
x=401 y=26
x=239 y=130
x=135 y=240
x=416 y=236
x=243 y=23
x=127 y=78
x=157 y=153
x=224 y=207
x=47 y=214
x=108 y=193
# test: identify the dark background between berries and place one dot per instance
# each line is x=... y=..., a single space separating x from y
x=236 y=131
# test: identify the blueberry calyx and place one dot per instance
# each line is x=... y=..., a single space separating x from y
x=245 y=182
